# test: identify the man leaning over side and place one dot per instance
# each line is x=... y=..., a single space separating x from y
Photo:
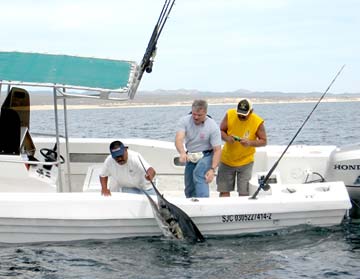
x=126 y=171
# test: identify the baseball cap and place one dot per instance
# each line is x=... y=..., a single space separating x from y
x=117 y=148
x=244 y=107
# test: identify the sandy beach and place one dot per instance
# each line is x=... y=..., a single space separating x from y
x=44 y=101
x=103 y=104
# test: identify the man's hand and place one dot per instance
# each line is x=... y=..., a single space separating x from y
x=209 y=175
x=104 y=190
x=183 y=158
x=246 y=142
x=230 y=139
x=150 y=174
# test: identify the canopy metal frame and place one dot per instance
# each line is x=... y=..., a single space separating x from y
x=79 y=77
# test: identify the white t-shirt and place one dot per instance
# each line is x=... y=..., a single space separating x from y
x=131 y=174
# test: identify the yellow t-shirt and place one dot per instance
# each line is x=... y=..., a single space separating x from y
x=235 y=154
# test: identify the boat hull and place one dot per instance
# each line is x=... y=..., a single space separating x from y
x=38 y=217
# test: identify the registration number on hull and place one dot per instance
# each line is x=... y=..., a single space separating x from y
x=245 y=217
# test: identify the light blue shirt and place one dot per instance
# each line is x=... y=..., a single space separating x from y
x=200 y=137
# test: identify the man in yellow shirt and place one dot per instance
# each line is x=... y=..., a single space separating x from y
x=242 y=130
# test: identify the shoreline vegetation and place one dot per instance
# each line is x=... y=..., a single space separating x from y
x=44 y=100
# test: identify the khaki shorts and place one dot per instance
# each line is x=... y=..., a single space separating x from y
x=225 y=179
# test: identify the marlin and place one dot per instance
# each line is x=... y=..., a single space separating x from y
x=173 y=221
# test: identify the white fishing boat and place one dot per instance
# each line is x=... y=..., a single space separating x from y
x=49 y=184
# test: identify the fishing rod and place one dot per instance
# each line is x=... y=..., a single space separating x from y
x=148 y=53
x=262 y=183
x=148 y=59
x=152 y=183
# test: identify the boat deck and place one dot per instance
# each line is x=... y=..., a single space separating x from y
x=167 y=184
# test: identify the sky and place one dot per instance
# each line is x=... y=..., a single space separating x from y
x=207 y=45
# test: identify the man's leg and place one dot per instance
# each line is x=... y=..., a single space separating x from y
x=201 y=186
x=243 y=177
x=225 y=180
x=150 y=191
x=189 y=183
x=131 y=190
x=138 y=191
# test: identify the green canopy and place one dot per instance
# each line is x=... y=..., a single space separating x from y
x=67 y=71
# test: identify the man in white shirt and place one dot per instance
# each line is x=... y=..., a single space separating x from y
x=125 y=171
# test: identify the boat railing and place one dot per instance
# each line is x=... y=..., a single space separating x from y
x=78 y=92
x=22 y=161
x=72 y=76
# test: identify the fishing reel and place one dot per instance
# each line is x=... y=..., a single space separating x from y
x=149 y=66
x=150 y=63
x=263 y=185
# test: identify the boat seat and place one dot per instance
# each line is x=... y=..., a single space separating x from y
x=18 y=100
x=10 y=132
x=14 y=124
x=92 y=181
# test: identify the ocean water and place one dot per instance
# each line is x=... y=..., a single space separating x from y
x=297 y=253
x=301 y=252
x=330 y=124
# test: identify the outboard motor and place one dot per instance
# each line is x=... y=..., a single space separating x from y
x=344 y=165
